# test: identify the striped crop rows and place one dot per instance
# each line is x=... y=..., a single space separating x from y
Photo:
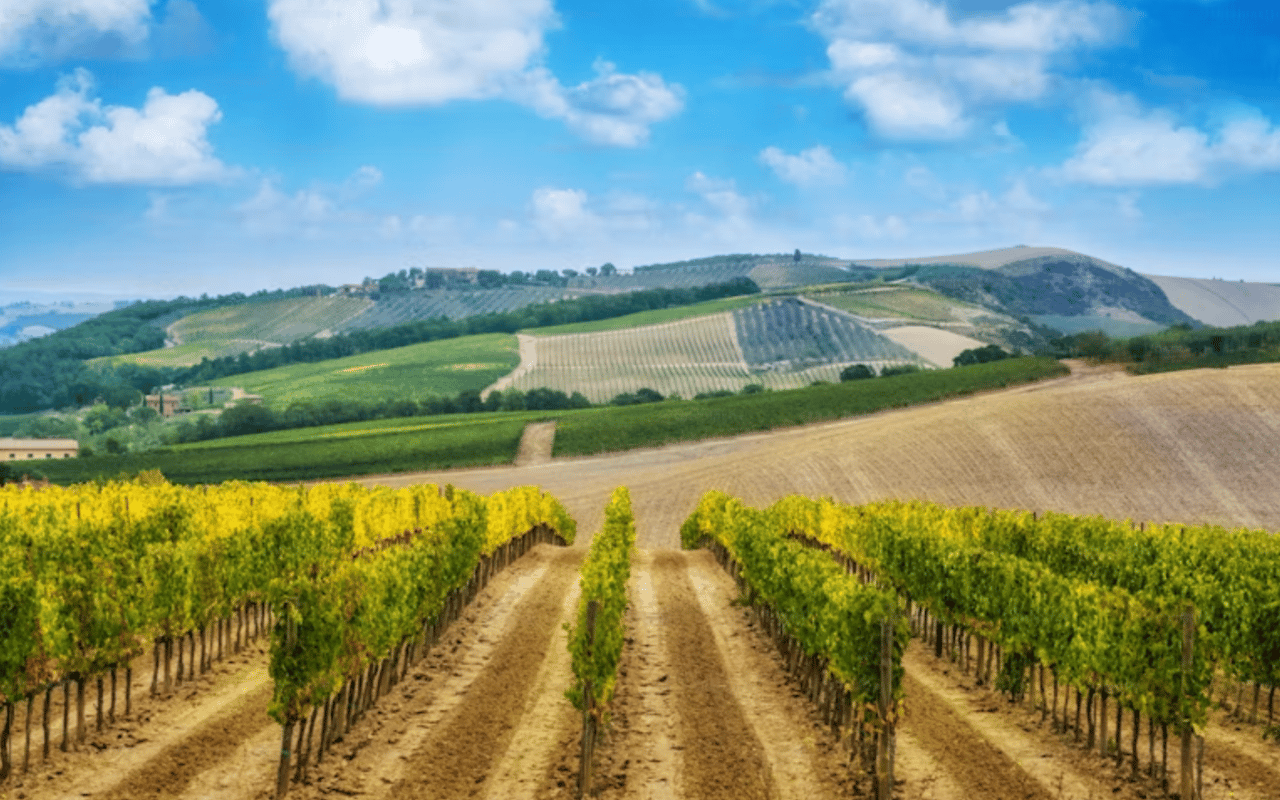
x=779 y=344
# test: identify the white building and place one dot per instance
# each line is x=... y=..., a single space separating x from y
x=12 y=450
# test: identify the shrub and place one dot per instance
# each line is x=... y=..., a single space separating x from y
x=856 y=372
x=980 y=355
x=905 y=369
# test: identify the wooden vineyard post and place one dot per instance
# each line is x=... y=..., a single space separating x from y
x=884 y=742
x=588 y=709
x=282 y=774
x=1188 y=640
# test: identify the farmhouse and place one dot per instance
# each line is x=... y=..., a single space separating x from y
x=29 y=449
x=166 y=405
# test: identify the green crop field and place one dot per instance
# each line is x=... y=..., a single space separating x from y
x=280 y=321
x=186 y=354
x=650 y=317
x=417 y=371
x=628 y=427
x=898 y=302
x=394 y=445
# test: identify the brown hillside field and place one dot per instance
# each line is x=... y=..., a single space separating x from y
x=704 y=708
x=1192 y=446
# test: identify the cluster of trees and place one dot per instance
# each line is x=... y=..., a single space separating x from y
x=980 y=355
x=582 y=309
x=407 y=279
x=857 y=372
x=1179 y=346
x=638 y=397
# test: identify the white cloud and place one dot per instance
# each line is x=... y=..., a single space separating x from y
x=815 y=166
x=1127 y=145
x=397 y=53
x=732 y=218
x=908 y=107
x=918 y=74
x=1015 y=213
x=164 y=143
x=318 y=210
x=559 y=213
x=271 y=211
x=406 y=53
x=613 y=108
x=36 y=30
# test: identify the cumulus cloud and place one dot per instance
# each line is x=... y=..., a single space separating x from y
x=432 y=53
x=410 y=53
x=163 y=143
x=1127 y=145
x=919 y=74
x=560 y=213
x=318 y=209
x=611 y=109
x=271 y=211
x=812 y=167
x=36 y=30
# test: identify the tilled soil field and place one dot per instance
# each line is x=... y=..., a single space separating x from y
x=704 y=708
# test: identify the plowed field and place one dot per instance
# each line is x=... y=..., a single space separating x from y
x=704 y=708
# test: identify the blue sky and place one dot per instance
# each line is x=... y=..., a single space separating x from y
x=181 y=147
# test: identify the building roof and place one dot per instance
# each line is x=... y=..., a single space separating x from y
x=7 y=443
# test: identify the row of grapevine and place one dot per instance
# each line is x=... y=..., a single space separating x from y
x=595 y=641
x=1148 y=650
x=92 y=574
x=351 y=624
x=706 y=354
x=454 y=304
x=1232 y=577
x=799 y=334
x=843 y=637
x=279 y=321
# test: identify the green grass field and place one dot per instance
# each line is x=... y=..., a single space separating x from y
x=360 y=448
x=651 y=317
x=418 y=371
x=184 y=355
x=898 y=302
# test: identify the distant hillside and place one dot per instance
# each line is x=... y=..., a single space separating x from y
x=1046 y=284
x=1222 y=303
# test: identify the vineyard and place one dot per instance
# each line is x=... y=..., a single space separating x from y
x=451 y=304
x=780 y=344
x=773 y=646
x=350 y=580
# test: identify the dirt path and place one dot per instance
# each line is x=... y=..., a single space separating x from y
x=536 y=443
x=973 y=734
x=704 y=709
x=168 y=742
x=483 y=715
